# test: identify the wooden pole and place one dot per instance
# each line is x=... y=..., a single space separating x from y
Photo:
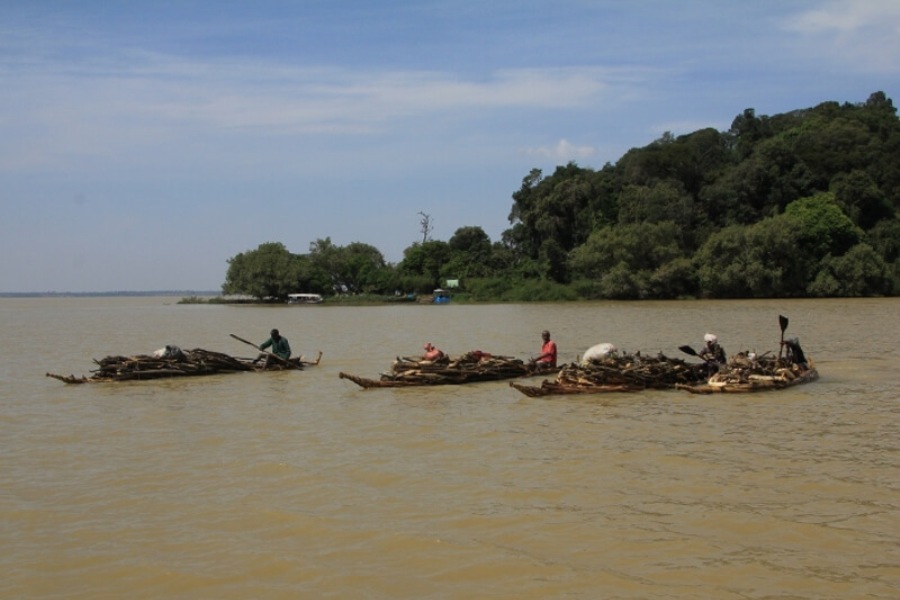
x=283 y=361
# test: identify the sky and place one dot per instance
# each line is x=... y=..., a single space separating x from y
x=144 y=143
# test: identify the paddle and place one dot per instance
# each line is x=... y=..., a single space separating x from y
x=783 y=322
x=688 y=350
x=283 y=361
x=692 y=352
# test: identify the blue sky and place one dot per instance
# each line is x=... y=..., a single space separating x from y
x=142 y=144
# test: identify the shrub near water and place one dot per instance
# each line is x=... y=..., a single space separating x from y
x=518 y=290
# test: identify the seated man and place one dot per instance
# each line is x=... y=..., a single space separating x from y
x=713 y=353
x=712 y=350
x=280 y=347
x=432 y=353
x=795 y=353
x=547 y=358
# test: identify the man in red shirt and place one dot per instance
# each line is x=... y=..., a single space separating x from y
x=432 y=353
x=548 y=352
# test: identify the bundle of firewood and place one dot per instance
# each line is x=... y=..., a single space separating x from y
x=143 y=366
x=472 y=366
x=746 y=366
x=632 y=370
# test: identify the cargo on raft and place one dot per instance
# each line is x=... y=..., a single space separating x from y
x=745 y=372
x=471 y=367
x=759 y=377
x=174 y=362
x=615 y=372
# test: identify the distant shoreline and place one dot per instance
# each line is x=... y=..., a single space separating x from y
x=99 y=294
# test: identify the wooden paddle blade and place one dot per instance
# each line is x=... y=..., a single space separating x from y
x=688 y=350
x=240 y=339
x=783 y=322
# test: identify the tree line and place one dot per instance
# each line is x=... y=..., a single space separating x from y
x=800 y=204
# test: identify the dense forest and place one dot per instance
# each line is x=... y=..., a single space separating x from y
x=800 y=204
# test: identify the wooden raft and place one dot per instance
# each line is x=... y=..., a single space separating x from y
x=553 y=388
x=469 y=368
x=760 y=376
x=189 y=363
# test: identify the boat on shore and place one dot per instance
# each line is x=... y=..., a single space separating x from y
x=472 y=367
x=179 y=363
x=305 y=299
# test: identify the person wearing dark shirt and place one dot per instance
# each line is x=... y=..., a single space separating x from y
x=795 y=353
x=279 y=344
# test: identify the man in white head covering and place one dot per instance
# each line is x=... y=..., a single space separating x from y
x=712 y=352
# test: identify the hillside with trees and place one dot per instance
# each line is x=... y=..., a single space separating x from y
x=801 y=204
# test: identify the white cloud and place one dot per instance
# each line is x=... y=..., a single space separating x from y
x=157 y=101
x=865 y=33
x=563 y=152
x=848 y=16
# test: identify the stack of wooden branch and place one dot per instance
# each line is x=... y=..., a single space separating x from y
x=619 y=373
x=468 y=368
x=747 y=373
x=633 y=370
x=183 y=364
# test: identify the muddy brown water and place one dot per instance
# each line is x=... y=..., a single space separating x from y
x=302 y=485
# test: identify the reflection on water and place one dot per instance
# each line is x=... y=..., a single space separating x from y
x=291 y=484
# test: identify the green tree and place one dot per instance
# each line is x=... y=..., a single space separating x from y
x=760 y=186
x=859 y=272
x=268 y=273
x=691 y=160
x=425 y=260
x=564 y=208
x=833 y=143
x=822 y=227
x=746 y=130
x=638 y=260
x=353 y=269
x=885 y=239
x=470 y=254
x=676 y=278
x=759 y=261
x=639 y=246
x=553 y=260
x=621 y=283
x=861 y=199
x=471 y=240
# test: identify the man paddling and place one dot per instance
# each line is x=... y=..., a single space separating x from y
x=712 y=350
x=713 y=353
x=795 y=353
x=279 y=344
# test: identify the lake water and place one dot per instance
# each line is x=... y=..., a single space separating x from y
x=302 y=485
